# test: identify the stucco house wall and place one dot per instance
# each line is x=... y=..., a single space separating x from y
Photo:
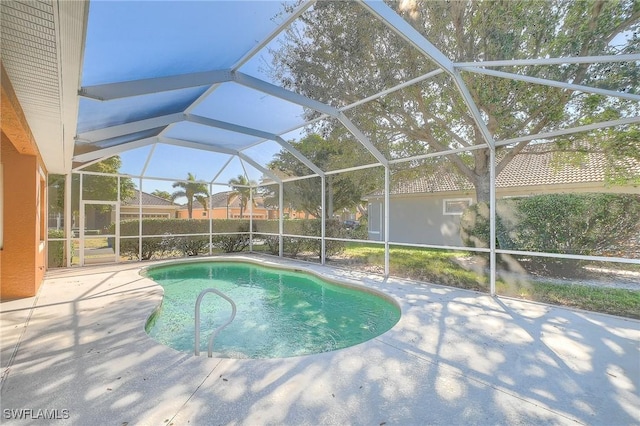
x=417 y=208
x=24 y=194
x=417 y=219
x=420 y=218
x=152 y=207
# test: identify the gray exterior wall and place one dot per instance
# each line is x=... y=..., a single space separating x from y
x=417 y=220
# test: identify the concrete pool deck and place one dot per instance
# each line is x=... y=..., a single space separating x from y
x=456 y=357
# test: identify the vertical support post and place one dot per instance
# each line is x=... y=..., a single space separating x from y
x=281 y=220
x=68 y=217
x=386 y=220
x=140 y=220
x=210 y=219
x=81 y=225
x=116 y=238
x=250 y=218
x=142 y=173
x=324 y=220
x=492 y=221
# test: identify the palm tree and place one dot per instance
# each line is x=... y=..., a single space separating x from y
x=191 y=190
x=241 y=187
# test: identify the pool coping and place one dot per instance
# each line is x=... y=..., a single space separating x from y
x=439 y=364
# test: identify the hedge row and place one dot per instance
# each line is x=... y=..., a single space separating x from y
x=55 y=249
x=309 y=227
x=169 y=241
x=589 y=224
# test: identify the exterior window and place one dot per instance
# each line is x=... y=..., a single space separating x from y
x=125 y=216
x=204 y=213
x=455 y=206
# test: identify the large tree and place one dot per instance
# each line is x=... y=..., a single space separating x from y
x=94 y=187
x=191 y=190
x=343 y=190
x=339 y=54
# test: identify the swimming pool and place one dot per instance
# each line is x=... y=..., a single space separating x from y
x=280 y=313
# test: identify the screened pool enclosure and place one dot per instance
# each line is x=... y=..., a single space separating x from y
x=476 y=144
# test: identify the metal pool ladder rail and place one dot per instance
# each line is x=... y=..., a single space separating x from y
x=217 y=330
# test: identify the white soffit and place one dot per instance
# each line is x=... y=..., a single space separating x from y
x=39 y=40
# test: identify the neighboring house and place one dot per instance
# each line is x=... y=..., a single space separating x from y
x=226 y=205
x=427 y=210
x=153 y=207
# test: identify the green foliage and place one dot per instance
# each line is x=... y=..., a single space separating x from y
x=366 y=57
x=344 y=190
x=273 y=243
x=158 y=247
x=94 y=187
x=361 y=232
x=162 y=194
x=191 y=190
x=475 y=225
x=333 y=229
x=171 y=237
x=292 y=246
x=242 y=188
x=589 y=224
x=152 y=247
x=192 y=246
x=55 y=249
x=236 y=242
x=436 y=266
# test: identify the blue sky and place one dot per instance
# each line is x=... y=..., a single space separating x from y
x=129 y=40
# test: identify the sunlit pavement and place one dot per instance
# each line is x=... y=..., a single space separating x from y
x=78 y=352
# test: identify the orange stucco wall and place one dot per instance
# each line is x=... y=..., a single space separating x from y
x=22 y=259
x=221 y=213
x=234 y=213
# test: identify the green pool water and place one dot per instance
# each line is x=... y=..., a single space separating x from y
x=280 y=313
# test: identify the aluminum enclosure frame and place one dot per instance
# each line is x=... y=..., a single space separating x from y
x=103 y=93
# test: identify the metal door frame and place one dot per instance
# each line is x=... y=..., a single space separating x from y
x=116 y=236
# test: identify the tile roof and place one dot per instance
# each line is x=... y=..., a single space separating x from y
x=147 y=200
x=219 y=199
x=537 y=164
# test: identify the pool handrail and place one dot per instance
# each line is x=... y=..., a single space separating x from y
x=217 y=330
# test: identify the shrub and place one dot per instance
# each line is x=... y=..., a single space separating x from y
x=333 y=229
x=292 y=246
x=152 y=247
x=475 y=226
x=596 y=224
x=55 y=249
x=588 y=224
x=273 y=244
x=192 y=246
x=236 y=242
x=361 y=232
x=231 y=243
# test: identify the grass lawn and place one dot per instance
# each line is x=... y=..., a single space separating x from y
x=457 y=269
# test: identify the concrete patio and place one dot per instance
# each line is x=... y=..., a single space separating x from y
x=455 y=357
